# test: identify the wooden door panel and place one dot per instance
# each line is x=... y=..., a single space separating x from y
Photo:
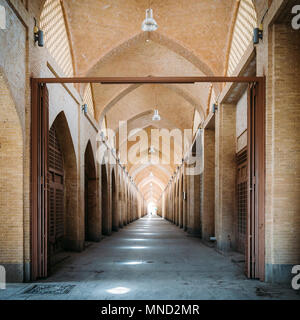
x=255 y=244
x=39 y=181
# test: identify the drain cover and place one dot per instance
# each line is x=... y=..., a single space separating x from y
x=49 y=289
x=265 y=292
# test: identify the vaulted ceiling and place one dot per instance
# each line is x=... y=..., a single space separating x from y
x=192 y=40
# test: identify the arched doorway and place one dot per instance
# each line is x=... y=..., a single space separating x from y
x=106 y=230
x=56 y=213
x=181 y=197
x=11 y=190
x=62 y=205
x=114 y=200
x=90 y=196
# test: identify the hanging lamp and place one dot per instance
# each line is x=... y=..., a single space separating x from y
x=151 y=149
x=149 y=24
x=156 y=116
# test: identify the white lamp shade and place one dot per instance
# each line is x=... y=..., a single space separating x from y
x=156 y=116
x=149 y=24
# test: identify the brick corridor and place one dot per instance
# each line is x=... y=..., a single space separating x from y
x=150 y=259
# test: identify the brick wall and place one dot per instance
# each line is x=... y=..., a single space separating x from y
x=11 y=186
x=282 y=153
x=208 y=202
x=225 y=150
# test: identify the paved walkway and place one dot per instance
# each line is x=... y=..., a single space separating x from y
x=149 y=259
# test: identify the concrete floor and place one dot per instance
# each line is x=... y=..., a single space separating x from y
x=151 y=259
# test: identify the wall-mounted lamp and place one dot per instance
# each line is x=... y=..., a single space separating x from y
x=84 y=108
x=184 y=195
x=38 y=35
x=214 y=107
x=257 y=34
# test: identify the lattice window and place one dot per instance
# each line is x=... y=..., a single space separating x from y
x=56 y=37
x=56 y=192
x=242 y=178
x=242 y=34
x=88 y=99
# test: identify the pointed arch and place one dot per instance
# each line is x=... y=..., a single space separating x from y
x=161 y=39
x=130 y=88
x=91 y=221
x=70 y=183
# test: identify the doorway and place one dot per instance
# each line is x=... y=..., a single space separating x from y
x=56 y=214
x=256 y=156
x=90 y=195
x=106 y=228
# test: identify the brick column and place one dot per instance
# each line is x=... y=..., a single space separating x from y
x=208 y=201
x=194 y=223
x=185 y=201
x=282 y=154
x=225 y=150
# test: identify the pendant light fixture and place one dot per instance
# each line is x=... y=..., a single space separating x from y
x=151 y=149
x=149 y=24
x=156 y=116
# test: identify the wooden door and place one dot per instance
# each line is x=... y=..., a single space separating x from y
x=39 y=181
x=255 y=245
x=56 y=196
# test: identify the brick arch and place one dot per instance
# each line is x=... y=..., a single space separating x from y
x=71 y=239
x=161 y=39
x=92 y=220
x=133 y=123
x=176 y=88
x=11 y=181
x=165 y=170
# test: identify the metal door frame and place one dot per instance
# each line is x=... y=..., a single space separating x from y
x=256 y=148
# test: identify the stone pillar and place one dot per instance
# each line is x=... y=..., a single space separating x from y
x=225 y=175
x=208 y=200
